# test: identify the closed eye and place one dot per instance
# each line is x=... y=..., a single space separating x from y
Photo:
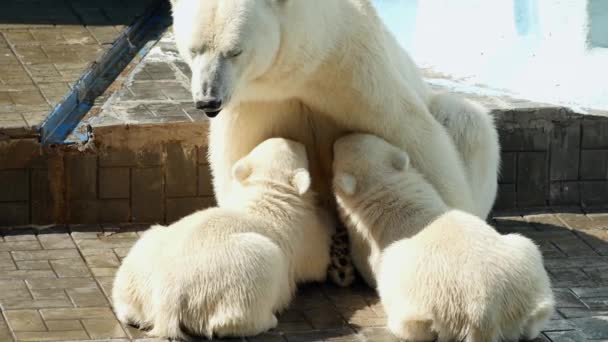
x=233 y=53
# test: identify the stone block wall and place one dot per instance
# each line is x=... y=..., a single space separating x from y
x=552 y=157
x=160 y=181
x=159 y=173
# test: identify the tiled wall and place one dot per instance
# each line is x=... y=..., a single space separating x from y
x=161 y=184
x=550 y=157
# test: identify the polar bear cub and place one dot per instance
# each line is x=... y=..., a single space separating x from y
x=441 y=273
x=227 y=271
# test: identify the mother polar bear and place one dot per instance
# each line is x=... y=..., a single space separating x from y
x=313 y=70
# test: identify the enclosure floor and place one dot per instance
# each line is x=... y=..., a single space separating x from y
x=45 y=46
x=55 y=285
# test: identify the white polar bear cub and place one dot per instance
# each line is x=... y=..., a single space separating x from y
x=227 y=271
x=441 y=273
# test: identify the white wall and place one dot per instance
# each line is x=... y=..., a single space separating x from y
x=543 y=50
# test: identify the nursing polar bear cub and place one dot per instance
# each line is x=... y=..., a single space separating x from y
x=441 y=273
x=227 y=271
x=312 y=70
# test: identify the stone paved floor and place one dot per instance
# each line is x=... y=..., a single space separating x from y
x=155 y=90
x=45 y=46
x=55 y=284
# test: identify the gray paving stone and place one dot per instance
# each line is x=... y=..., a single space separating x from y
x=25 y=320
x=320 y=312
x=590 y=292
x=56 y=241
x=46 y=254
x=567 y=336
x=62 y=283
x=13 y=289
x=565 y=298
x=597 y=303
x=595 y=327
x=581 y=312
x=5 y=332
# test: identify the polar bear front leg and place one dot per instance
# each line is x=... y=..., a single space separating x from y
x=473 y=131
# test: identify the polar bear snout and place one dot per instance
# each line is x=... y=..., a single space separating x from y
x=211 y=106
x=210 y=83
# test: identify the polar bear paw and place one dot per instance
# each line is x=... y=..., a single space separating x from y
x=341 y=270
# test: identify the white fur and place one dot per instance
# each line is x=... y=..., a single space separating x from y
x=313 y=70
x=227 y=271
x=440 y=272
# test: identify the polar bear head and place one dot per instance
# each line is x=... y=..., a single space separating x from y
x=226 y=43
x=254 y=50
x=276 y=162
x=364 y=163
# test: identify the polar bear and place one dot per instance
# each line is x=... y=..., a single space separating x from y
x=441 y=273
x=227 y=271
x=313 y=70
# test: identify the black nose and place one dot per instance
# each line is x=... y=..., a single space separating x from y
x=209 y=106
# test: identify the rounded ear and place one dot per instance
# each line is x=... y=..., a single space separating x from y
x=241 y=170
x=301 y=180
x=346 y=183
x=400 y=160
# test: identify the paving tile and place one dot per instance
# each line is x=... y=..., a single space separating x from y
x=578 y=262
x=106 y=285
x=597 y=239
x=26 y=274
x=25 y=320
x=87 y=297
x=104 y=271
x=62 y=283
x=319 y=335
x=267 y=337
x=581 y=312
x=56 y=241
x=104 y=243
x=567 y=336
x=559 y=325
x=324 y=318
x=6 y=262
x=570 y=277
x=66 y=268
x=49 y=294
x=103 y=328
x=34 y=265
x=576 y=220
x=294 y=326
x=565 y=298
x=590 y=292
x=122 y=252
x=20 y=303
x=19 y=245
x=77 y=313
x=63 y=325
x=5 y=333
x=377 y=334
x=13 y=289
x=105 y=258
x=597 y=303
x=52 y=336
x=46 y=254
x=599 y=274
x=22 y=234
